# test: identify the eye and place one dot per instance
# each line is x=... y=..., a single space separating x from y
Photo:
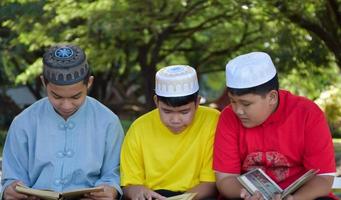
x=167 y=111
x=185 y=112
x=56 y=97
x=246 y=104
x=76 y=97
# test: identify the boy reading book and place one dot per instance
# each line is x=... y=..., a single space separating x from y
x=67 y=140
x=168 y=151
x=283 y=134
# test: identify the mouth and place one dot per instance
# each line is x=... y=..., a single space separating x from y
x=244 y=119
x=176 y=129
x=67 y=112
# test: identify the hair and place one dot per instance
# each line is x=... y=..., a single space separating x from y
x=179 y=101
x=85 y=79
x=262 y=89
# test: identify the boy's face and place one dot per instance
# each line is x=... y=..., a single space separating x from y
x=254 y=109
x=66 y=99
x=176 y=119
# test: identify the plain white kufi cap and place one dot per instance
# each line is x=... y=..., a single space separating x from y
x=176 y=81
x=249 y=70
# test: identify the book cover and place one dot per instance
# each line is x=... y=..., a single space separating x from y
x=258 y=180
x=52 y=195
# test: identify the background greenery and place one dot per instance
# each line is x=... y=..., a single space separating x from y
x=127 y=41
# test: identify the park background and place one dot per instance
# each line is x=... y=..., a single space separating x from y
x=127 y=41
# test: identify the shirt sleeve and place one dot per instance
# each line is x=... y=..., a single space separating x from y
x=132 y=167
x=319 y=150
x=207 y=173
x=15 y=156
x=226 y=157
x=110 y=173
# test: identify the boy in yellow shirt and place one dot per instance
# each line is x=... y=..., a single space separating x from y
x=168 y=151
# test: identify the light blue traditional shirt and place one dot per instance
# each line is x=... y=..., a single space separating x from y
x=47 y=152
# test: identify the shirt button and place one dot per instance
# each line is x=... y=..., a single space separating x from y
x=61 y=126
x=64 y=181
x=57 y=181
x=70 y=125
x=60 y=154
x=69 y=153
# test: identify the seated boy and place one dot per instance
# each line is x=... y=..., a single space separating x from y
x=272 y=129
x=65 y=141
x=168 y=151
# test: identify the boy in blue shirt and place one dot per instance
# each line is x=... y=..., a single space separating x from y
x=67 y=140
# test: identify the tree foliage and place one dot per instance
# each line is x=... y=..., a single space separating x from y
x=126 y=41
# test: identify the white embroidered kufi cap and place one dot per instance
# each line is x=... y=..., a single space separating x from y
x=249 y=70
x=176 y=81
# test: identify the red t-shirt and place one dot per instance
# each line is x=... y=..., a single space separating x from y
x=293 y=139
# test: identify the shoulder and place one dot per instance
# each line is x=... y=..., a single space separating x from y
x=34 y=111
x=208 y=110
x=300 y=104
x=147 y=118
x=100 y=110
x=207 y=114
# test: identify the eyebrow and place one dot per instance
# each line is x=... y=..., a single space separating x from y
x=73 y=96
x=182 y=110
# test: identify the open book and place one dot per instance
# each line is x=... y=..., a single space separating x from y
x=258 y=180
x=51 y=195
x=185 y=196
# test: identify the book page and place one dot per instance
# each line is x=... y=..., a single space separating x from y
x=80 y=192
x=299 y=182
x=257 y=180
x=43 y=194
x=51 y=195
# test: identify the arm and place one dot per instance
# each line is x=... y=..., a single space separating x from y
x=204 y=190
x=318 y=154
x=138 y=192
x=228 y=185
x=319 y=186
x=15 y=160
x=110 y=168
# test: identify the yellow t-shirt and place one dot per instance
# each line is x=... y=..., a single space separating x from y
x=155 y=157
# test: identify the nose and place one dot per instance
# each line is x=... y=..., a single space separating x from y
x=175 y=118
x=66 y=104
x=239 y=110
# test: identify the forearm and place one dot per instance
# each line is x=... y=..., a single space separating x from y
x=204 y=190
x=317 y=187
x=229 y=187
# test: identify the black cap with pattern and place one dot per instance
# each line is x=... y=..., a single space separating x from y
x=65 y=64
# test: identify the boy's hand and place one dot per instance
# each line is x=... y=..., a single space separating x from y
x=108 y=193
x=245 y=195
x=11 y=193
x=139 y=192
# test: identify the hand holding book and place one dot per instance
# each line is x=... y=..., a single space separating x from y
x=258 y=180
x=52 y=195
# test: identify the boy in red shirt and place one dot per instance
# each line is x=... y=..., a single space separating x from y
x=272 y=129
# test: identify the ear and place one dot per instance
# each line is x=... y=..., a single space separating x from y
x=273 y=95
x=91 y=80
x=42 y=81
x=156 y=101
x=198 y=101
